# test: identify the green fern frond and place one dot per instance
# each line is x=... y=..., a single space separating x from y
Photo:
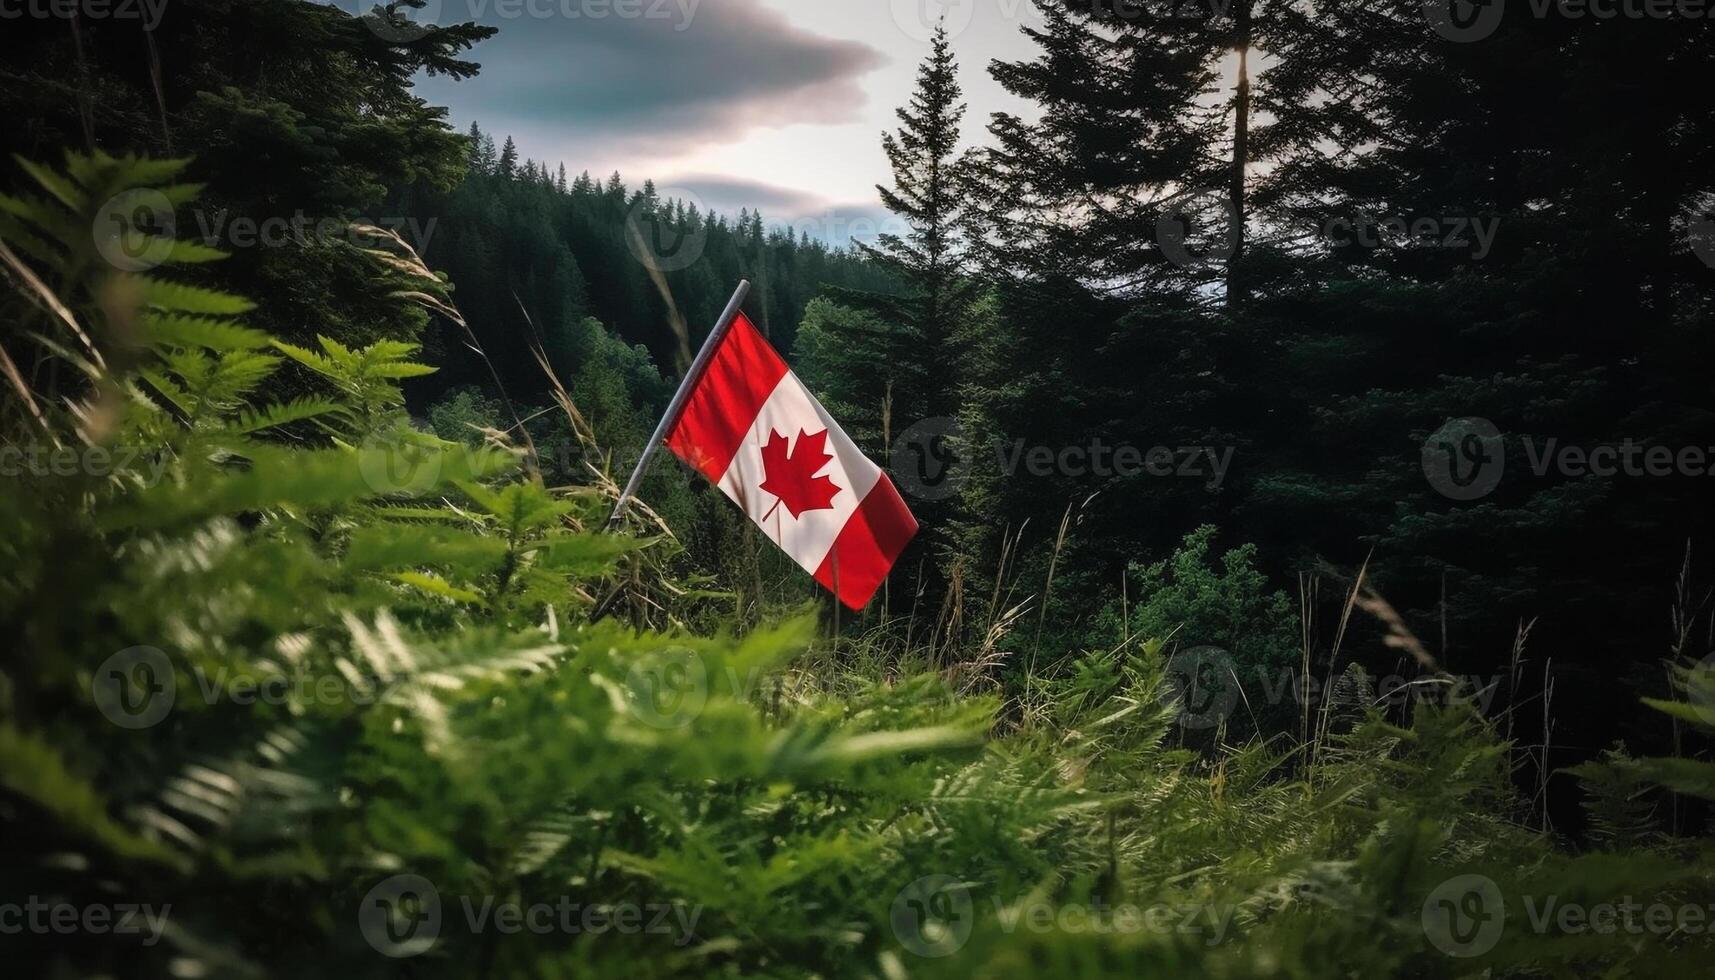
x=316 y=362
x=175 y=297
x=383 y=548
x=436 y=586
x=276 y=479
x=179 y=330
x=253 y=420
x=67 y=192
x=182 y=252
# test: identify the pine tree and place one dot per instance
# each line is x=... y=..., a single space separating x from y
x=1096 y=329
x=508 y=164
x=474 y=147
x=929 y=195
x=560 y=180
x=889 y=360
x=1126 y=142
x=913 y=367
x=1238 y=178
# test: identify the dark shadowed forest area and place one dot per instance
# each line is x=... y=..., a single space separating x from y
x=1306 y=410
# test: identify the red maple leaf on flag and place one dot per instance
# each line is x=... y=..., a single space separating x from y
x=792 y=475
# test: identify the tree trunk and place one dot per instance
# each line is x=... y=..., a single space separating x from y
x=1236 y=295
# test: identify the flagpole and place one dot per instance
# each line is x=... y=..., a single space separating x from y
x=677 y=405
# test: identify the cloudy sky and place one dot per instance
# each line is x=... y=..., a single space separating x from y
x=777 y=104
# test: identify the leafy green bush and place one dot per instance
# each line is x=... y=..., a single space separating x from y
x=1197 y=600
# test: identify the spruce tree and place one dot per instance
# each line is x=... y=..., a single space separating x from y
x=474 y=149
x=1098 y=331
x=1128 y=142
x=929 y=196
x=892 y=353
x=508 y=159
x=888 y=360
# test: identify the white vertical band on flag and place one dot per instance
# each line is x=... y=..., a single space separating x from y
x=792 y=412
x=753 y=429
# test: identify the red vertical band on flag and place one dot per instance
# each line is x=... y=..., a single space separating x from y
x=724 y=401
x=868 y=545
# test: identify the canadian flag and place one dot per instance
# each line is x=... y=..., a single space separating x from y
x=752 y=428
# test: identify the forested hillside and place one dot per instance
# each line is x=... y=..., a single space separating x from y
x=1306 y=410
x=519 y=239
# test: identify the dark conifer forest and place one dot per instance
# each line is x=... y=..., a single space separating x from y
x=1307 y=410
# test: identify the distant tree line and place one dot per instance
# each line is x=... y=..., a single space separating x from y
x=527 y=248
